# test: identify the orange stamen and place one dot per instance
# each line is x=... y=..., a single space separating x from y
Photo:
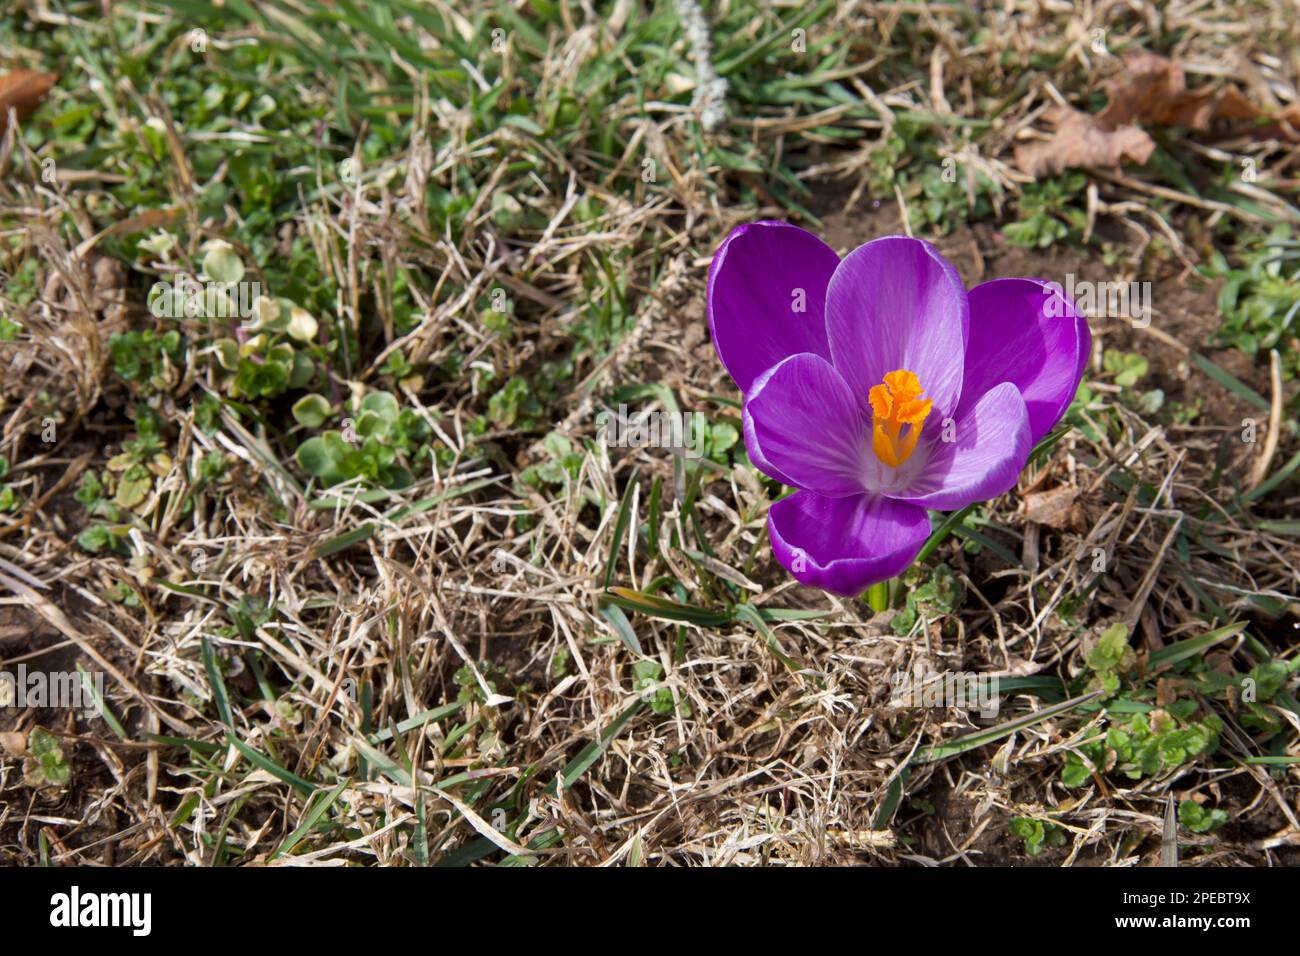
x=894 y=404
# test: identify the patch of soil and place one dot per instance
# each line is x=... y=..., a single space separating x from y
x=24 y=637
x=940 y=832
x=28 y=640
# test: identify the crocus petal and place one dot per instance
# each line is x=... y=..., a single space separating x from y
x=844 y=545
x=896 y=303
x=990 y=445
x=1025 y=331
x=767 y=297
x=805 y=428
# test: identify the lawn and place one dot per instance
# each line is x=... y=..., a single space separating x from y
x=324 y=333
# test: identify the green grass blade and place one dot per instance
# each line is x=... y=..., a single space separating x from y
x=982 y=738
x=310 y=819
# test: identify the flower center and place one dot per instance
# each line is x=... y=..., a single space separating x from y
x=895 y=403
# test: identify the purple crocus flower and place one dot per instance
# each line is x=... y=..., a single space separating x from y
x=879 y=387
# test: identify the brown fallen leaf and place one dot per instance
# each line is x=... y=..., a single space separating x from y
x=1053 y=508
x=1167 y=689
x=1079 y=140
x=1151 y=89
x=1233 y=105
x=1221 y=663
x=22 y=91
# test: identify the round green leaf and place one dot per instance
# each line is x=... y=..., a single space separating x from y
x=311 y=411
x=302 y=325
x=222 y=263
x=382 y=404
x=315 y=458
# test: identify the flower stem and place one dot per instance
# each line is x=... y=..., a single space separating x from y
x=878 y=596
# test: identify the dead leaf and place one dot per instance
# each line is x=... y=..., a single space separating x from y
x=1079 y=141
x=22 y=91
x=1051 y=508
x=1233 y=105
x=1151 y=89
x=1221 y=663
x=1167 y=690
